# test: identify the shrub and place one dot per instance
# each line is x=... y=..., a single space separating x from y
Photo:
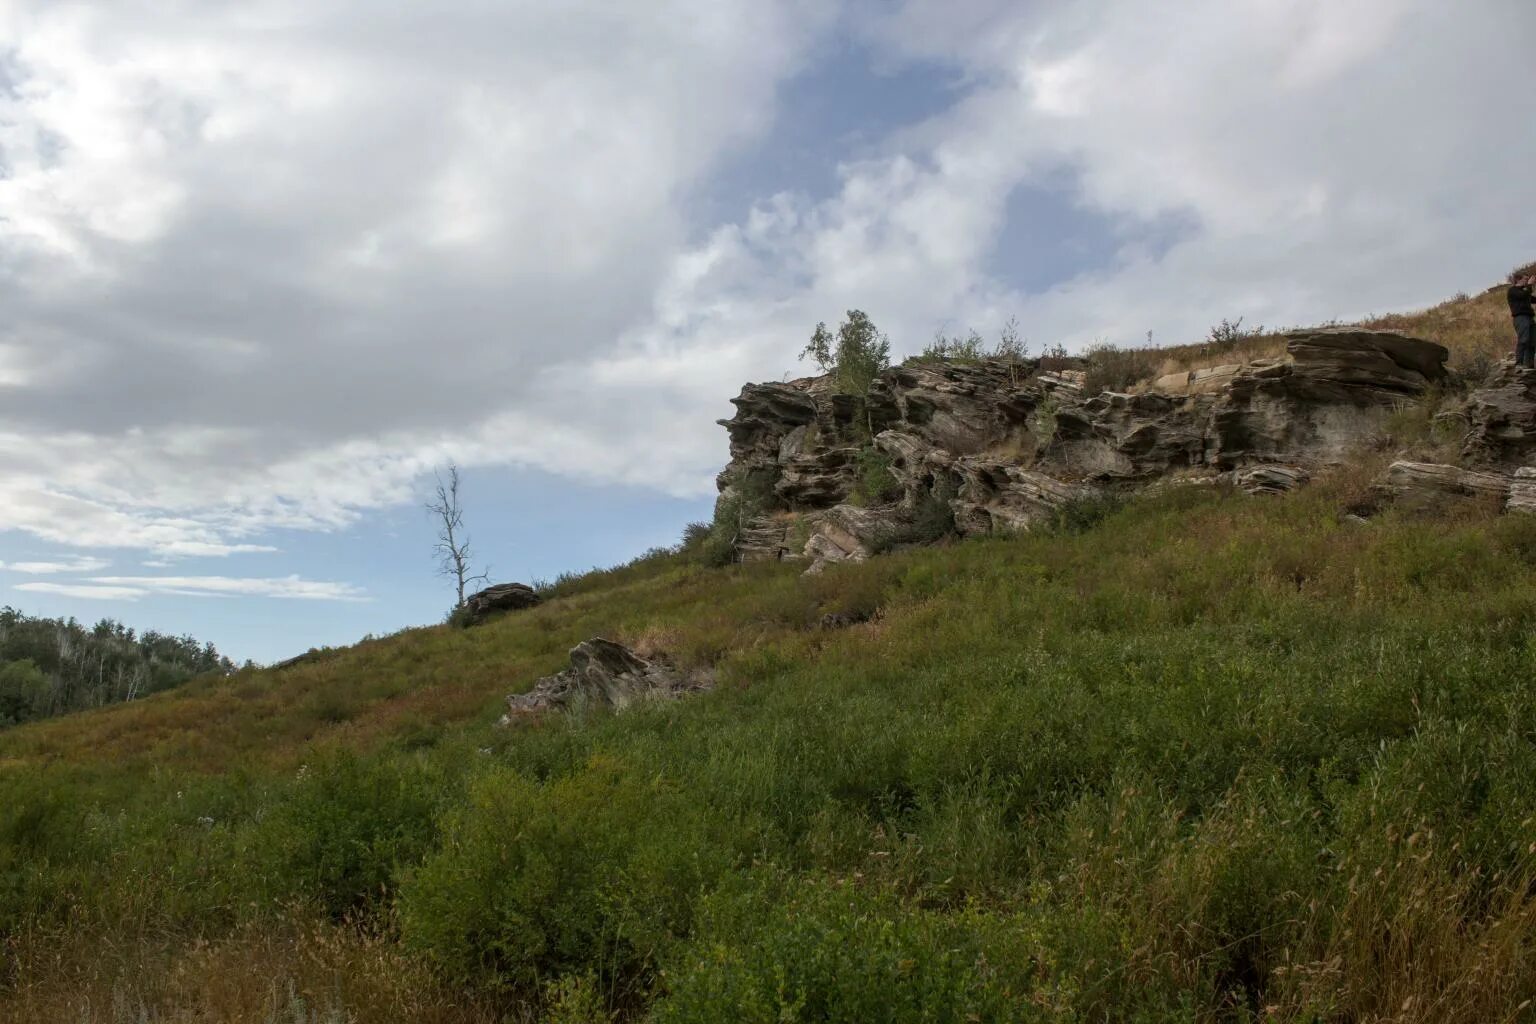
x=1085 y=512
x=855 y=356
x=592 y=872
x=972 y=348
x=1228 y=333
x=1110 y=368
x=344 y=827
x=932 y=519
x=778 y=948
x=875 y=483
x=23 y=691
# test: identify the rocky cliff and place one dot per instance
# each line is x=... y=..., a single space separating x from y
x=988 y=446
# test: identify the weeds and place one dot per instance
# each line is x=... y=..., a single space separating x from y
x=1217 y=759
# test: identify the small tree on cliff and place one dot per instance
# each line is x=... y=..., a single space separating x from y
x=452 y=547
x=855 y=356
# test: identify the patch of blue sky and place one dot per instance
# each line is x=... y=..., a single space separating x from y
x=840 y=108
x=1049 y=236
x=526 y=525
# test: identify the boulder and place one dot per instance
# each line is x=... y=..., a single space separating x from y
x=1277 y=479
x=960 y=407
x=848 y=533
x=817 y=479
x=764 y=539
x=1502 y=419
x=1204 y=381
x=603 y=674
x=1522 y=491
x=1426 y=483
x=1362 y=361
x=1000 y=497
x=1113 y=436
x=503 y=597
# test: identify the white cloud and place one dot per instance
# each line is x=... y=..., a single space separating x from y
x=52 y=568
x=131 y=588
x=265 y=266
x=285 y=587
x=85 y=590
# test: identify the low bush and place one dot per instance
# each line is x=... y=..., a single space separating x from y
x=595 y=871
x=1220 y=758
x=875 y=483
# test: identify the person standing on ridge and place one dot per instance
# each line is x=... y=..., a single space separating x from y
x=1525 y=318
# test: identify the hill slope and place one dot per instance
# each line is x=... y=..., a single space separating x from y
x=1209 y=757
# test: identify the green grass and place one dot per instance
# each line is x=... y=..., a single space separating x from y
x=1203 y=757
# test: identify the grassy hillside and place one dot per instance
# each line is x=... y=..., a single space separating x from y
x=1213 y=758
x=1476 y=330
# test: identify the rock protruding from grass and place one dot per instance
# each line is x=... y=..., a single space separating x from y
x=1502 y=415
x=503 y=597
x=604 y=674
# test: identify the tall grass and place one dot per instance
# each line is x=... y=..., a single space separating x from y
x=1203 y=757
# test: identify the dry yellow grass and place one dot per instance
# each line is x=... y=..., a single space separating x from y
x=304 y=974
x=1476 y=330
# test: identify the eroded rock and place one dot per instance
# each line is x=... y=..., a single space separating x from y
x=848 y=533
x=1424 y=483
x=765 y=539
x=1502 y=419
x=603 y=674
x=503 y=597
x=1006 y=446
x=1522 y=491
x=1276 y=479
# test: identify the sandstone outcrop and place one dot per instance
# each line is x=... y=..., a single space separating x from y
x=503 y=597
x=1502 y=419
x=1522 y=491
x=1420 y=483
x=603 y=674
x=999 y=445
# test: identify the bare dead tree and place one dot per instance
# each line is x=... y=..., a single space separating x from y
x=452 y=548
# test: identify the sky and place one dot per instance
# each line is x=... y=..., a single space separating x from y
x=266 y=267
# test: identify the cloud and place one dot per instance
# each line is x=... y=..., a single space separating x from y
x=52 y=568
x=286 y=587
x=264 y=267
x=85 y=590
x=131 y=588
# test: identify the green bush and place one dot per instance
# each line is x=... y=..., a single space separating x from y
x=344 y=828
x=1086 y=511
x=594 y=871
x=1224 y=756
x=855 y=356
x=875 y=483
x=1110 y=368
x=777 y=948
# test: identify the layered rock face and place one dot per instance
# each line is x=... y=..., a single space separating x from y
x=997 y=445
x=1499 y=450
x=603 y=674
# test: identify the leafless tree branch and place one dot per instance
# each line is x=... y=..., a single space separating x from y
x=452 y=548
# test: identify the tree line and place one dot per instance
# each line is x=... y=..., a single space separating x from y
x=54 y=666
